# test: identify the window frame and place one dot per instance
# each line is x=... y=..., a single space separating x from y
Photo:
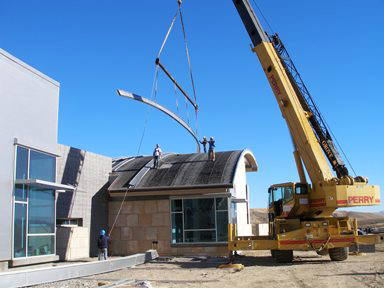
x=27 y=234
x=183 y=243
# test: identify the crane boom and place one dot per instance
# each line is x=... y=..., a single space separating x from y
x=316 y=120
x=311 y=138
x=291 y=108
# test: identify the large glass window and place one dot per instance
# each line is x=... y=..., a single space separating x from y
x=42 y=166
x=21 y=163
x=199 y=214
x=41 y=211
x=199 y=220
x=20 y=229
x=21 y=192
x=34 y=208
x=21 y=173
x=41 y=245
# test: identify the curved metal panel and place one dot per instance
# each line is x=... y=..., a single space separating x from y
x=162 y=109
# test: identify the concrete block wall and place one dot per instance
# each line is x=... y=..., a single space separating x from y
x=89 y=173
x=138 y=225
x=72 y=243
x=143 y=221
x=94 y=173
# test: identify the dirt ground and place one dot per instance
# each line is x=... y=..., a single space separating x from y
x=307 y=270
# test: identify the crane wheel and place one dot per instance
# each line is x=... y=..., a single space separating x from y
x=323 y=252
x=338 y=254
x=283 y=256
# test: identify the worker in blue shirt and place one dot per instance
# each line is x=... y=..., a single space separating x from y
x=102 y=245
x=211 y=149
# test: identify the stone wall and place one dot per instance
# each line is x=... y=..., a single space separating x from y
x=142 y=222
x=72 y=243
x=89 y=173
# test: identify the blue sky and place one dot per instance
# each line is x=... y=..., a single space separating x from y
x=95 y=47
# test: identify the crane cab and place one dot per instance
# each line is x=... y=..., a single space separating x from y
x=288 y=199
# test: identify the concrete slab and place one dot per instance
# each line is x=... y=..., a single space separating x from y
x=37 y=276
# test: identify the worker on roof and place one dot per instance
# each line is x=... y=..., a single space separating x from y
x=156 y=156
x=211 y=149
x=102 y=245
x=204 y=142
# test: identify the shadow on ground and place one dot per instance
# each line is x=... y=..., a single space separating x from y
x=247 y=261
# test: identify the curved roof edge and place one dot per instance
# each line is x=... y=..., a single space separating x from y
x=250 y=162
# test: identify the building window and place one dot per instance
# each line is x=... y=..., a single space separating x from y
x=34 y=207
x=69 y=222
x=199 y=220
x=20 y=230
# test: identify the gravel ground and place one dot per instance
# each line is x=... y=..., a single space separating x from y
x=307 y=270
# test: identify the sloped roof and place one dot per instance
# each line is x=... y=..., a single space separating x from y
x=178 y=171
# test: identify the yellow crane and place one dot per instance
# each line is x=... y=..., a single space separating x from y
x=300 y=214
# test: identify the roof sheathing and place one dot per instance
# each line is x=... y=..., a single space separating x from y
x=180 y=171
x=127 y=172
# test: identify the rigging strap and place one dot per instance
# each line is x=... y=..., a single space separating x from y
x=174 y=82
x=187 y=52
x=166 y=36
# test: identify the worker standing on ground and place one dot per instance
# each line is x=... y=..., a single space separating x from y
x=102 y=245
x=204 y=142
x=156 y=156
x=211 y=149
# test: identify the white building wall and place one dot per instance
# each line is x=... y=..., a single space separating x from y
x=240 y=192
x=28 y=112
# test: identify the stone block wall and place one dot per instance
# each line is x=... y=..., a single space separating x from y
x=72 y=243
x=89 y=173
x=138 y=225
x=141 y=222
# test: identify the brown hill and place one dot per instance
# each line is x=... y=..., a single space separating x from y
x=259 y=215
x=363 y=218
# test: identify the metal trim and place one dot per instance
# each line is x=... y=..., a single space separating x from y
x=44 y=184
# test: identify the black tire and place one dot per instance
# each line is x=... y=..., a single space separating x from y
x=323 y=252
x=283 y=256
x=338 y=254
x=273 y=253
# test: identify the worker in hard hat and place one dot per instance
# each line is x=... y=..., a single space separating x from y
x=102 y=245
x=204 y=142
x=156 y=156
x=211 y=149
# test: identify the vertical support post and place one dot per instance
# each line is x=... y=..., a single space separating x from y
x=229 y=233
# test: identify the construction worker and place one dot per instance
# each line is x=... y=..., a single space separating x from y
x=204 y=142
x=156 y=156
x=211 y=149
x=102 y=245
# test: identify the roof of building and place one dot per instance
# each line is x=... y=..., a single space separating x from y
x=179 y=171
